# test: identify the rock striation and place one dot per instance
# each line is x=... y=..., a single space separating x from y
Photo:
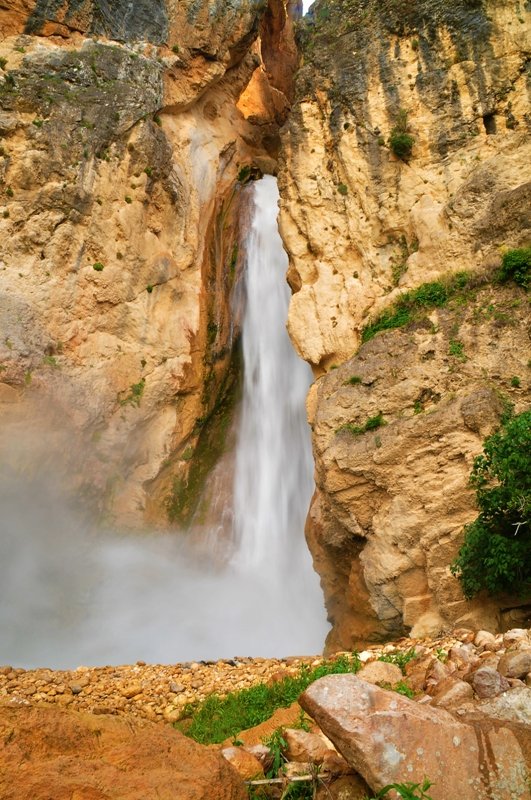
x=364 y=224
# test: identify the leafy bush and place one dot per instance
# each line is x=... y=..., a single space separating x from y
x=408 y=305
x=400 y=658
x=496 y=553
x=516 y=266
x=219 y=718
x=370 y=425
x=98 y=266
x=342 y=188
x=400 y=141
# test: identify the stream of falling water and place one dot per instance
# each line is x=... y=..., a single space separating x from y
x=69 y=596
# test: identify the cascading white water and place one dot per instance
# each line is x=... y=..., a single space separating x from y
x=70 y=596
x=274 y=465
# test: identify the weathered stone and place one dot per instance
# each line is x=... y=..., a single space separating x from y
x=247 y=765
x=515 y=636
x=388 y=738
x=515 y=663
x=347 y=787
x=487 y=682
x=451 y=692
x=486 y=641
x=381 y=672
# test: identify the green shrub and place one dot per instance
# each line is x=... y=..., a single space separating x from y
x=219 y=718
x=516 y=266
x=515 y=382
x=496 y=553
x=457 y=349
x=98 y=266
x=354 y=380
x=400 y=141
x=407 y=307
x=342 y=189
x=372 y=424
x=400 y=658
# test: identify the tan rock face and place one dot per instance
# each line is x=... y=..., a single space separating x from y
x=362 y=226
x=119 y=209
x=388 y=738
x=65 y=755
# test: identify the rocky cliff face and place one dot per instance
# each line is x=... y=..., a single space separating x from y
x=122 y=143
x=362 y=225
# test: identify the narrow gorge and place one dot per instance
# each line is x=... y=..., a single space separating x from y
x=264 y=301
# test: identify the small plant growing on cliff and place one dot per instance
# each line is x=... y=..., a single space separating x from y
x=372 y=424
x=354 y=380
x=98 y=266
x=342 y=189
x=400 y=141
x=135 y=394
x=496 y=553
x=516 y=266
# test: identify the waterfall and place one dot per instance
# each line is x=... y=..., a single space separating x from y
x=274 y=465
x=69 y=595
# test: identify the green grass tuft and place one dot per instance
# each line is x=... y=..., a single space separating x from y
x=219 y=718
x=414 y=303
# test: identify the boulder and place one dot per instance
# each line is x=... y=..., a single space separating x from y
x=515 y=636
x=381 y=672
x=246 y=764
x=347 y=787
x=47 y=753
x=315 y=748
x=487 y=641
x=487 y=682
x=515 y=663
x=388 y=738
x=452 y=692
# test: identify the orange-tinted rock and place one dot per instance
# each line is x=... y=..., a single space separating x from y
x=515 y=664
x=247 y=766
x=388 y=738
x=381 y=672
x=45 y=753
x=452 y=692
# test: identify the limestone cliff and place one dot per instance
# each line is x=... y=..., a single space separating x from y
x=362 y=225
x=122 y=143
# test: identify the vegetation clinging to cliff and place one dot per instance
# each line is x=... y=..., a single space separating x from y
x=496 y=554
x=417 y=301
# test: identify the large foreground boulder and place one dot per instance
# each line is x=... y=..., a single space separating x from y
x=388 y=738
x=46 y=753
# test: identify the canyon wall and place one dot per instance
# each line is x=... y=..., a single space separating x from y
x=362 y=226
x=126 y=134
